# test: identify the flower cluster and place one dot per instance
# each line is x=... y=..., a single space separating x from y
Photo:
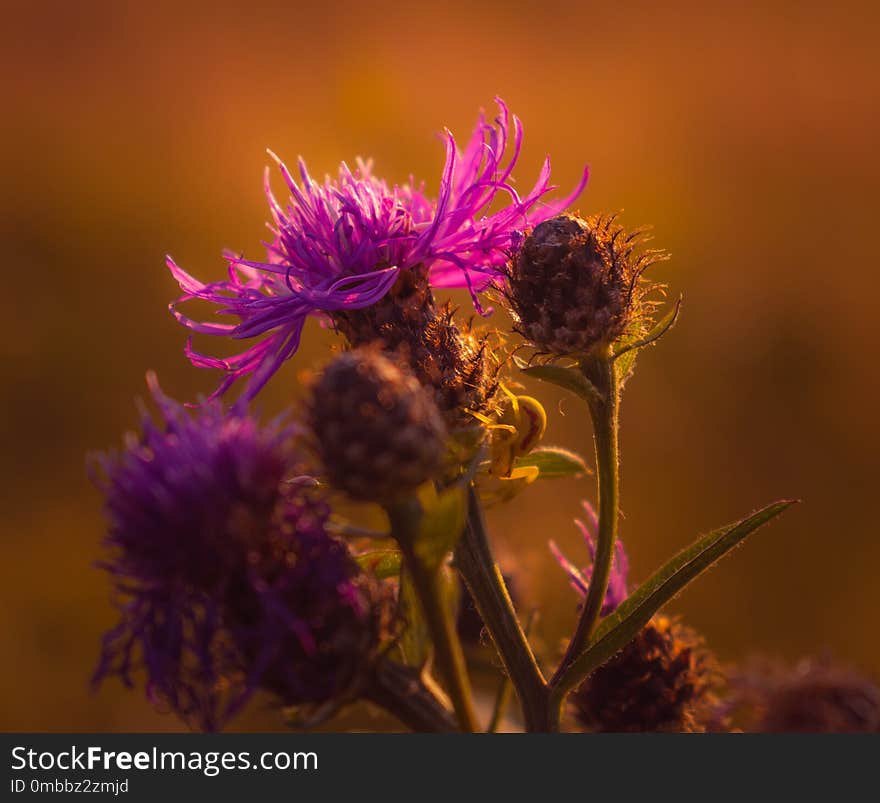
x=225 y=542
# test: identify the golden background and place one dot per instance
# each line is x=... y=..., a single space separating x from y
x=746 y=136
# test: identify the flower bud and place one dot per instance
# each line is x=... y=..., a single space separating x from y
x=663 y=680
x=574 y=285
x=376 y=430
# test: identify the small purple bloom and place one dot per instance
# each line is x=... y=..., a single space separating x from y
x=341 y=244
x=227 y=580
x=580 y=579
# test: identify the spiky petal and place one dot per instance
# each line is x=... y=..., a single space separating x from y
x=226 y=577
x=580 y=578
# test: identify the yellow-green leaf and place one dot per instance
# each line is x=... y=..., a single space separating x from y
x=554 y=462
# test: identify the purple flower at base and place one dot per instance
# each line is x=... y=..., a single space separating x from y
x=227 y=580
x=341 y=245
x=580 y=579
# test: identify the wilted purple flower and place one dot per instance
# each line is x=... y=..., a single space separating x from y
x=580 y=579
x=227 y=578
x=341 y=245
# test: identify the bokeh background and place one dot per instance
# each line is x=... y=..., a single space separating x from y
x=746 y=135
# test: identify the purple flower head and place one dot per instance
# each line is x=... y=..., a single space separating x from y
x=341 y=245
x=580 y=579
x=226 y=578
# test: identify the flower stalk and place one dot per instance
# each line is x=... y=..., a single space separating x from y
x=428 y=583
x=403 y=692
x=474 y=559
x=604 y=408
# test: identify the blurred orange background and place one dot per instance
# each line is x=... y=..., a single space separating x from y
x=746 y=136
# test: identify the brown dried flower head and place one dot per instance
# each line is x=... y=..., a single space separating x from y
x=663 y=680
x=457 y=366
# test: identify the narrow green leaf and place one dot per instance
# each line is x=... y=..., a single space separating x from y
x=441 y=525
x=624 y=365
x=569 y=378
x=554 y=462
x=633 y=614
x=626 y=349
x=415 y=641
x=382 y=563
x=627 y=344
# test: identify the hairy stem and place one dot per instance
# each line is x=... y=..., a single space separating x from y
x=401 y=691
x=427 y=581
x=474 y=559
x=505 y=688
x=604 y=412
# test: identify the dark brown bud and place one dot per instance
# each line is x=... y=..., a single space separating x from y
x=377 y=432
x=663 y=680
x=574 y=284
x=458 y=368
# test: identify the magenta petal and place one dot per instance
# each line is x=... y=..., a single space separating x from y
x=340 y=244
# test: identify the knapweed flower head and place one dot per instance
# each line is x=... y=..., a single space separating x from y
x=376 y=430
x=227 y=579
x=341 y=244
x=580 y=578
x=814 y=696
x=576 y=284
x=664 y=680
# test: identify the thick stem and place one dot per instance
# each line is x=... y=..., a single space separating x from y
x=401 y=691
x=427 y=581
x=474 y=559
x=502 y=698
x=604 y=411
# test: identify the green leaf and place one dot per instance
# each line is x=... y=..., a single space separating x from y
x=655 y=333
x=554 y=462
x=624 y=365
x=569 y=378
x=382 y=563
x=618 y=629
x=626 y=349
x=441 y=525
x=415 y=641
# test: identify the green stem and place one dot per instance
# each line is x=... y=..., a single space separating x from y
x=474 y=559
x=604 y=411
x=402 y=692
x=505 y=688
x=428 y=584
